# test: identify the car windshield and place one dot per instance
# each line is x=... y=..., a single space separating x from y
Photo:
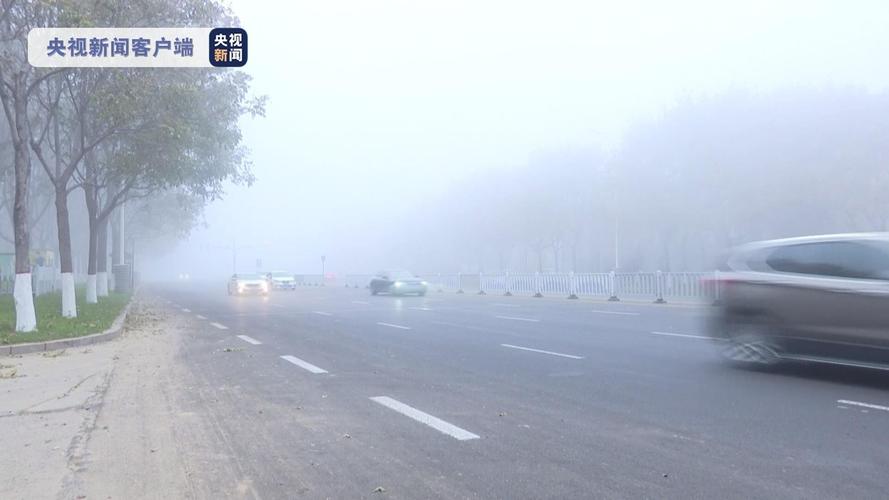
x=281 y=274
x=249 y=276
x=400 y=275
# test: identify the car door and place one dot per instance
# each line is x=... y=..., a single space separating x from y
x=833 y=297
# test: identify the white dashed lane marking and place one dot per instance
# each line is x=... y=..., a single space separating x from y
x=516 y=318
x=249 y=340
x=685 y=335
x=390 y=325
x=201 y=317
x=425 y=418
x=305 y=365
x=622 y=313
x=551 y=353
x=221 y=327
x=862 y=405
x=322 y=313
x=186 y=310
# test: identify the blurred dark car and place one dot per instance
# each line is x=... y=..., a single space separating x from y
x=819 y=299
x=397 y=282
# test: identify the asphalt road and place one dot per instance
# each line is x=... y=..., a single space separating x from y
x=333 y=393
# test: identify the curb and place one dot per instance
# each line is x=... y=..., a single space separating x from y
x=111 y=333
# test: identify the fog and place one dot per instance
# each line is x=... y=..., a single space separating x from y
x=556 y=136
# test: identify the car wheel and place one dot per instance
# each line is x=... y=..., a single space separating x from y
x=751 y=342
x=373 y=291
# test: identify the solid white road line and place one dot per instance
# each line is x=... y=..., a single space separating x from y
x=571 y=356
x=394 y=326
x=221 y=327
x=249 y=340
x=670 y=334
x=186 y=310
x=505 y=305
x=425 y=418
x=201 y=317
x=360 y=302
x=624 y=313
x=515 y=318
x=863 y=405
x=420 y=308
x=303 y=364
x=322 y=313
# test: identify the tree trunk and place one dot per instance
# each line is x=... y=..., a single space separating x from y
x=102 y=259
x=92 y=209
x=25 y=318
x=63 y=222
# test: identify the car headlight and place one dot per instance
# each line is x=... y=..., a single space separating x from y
x=424 y=283
x=398 y=284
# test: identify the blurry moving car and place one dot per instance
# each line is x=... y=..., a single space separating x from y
x=281 y=280
x=248 y=283
x=397 y=282
x=820 y=298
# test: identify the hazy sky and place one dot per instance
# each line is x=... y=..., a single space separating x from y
x=375 y=107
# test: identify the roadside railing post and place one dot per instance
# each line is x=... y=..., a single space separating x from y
x=440 y=284
x=507 y=285
x=572 y=286
x=537 y=285
x=717 y=296
x=481 y=284
x=459 y=283
x=659 y=286
x=613 y=285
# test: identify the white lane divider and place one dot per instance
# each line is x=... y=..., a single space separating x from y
x=400 y=327
x=516 y=318
x=249 y=340
x=186 y=310
x=322 y=313
x=623 y=313
x=360 y=302
x=221 y=327
x=863 y=405
x=425 y=418
x=305 y=365
x=551 y=353
x=201 y=317
x=685 y=335
x=420 y=308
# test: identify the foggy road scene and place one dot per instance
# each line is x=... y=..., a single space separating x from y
x=467 y=249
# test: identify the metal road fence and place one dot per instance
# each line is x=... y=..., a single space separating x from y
x=43 y=280
x=656 y=286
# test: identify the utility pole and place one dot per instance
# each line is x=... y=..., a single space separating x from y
x=323 y=258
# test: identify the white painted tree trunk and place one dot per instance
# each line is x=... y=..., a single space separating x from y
x=91 y=297
x=69 y=300
x=102 y=284
x=25 y=318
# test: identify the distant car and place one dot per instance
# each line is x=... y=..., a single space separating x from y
x=818 y=299
x=248 y=283
x=397 y=282
x=281 y=280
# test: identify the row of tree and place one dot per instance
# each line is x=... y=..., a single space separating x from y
x=707 y=174
x=113 y=135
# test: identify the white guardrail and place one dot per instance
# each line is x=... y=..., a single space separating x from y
x=657 y=286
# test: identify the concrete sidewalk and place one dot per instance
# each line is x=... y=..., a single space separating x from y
x=103 y=421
